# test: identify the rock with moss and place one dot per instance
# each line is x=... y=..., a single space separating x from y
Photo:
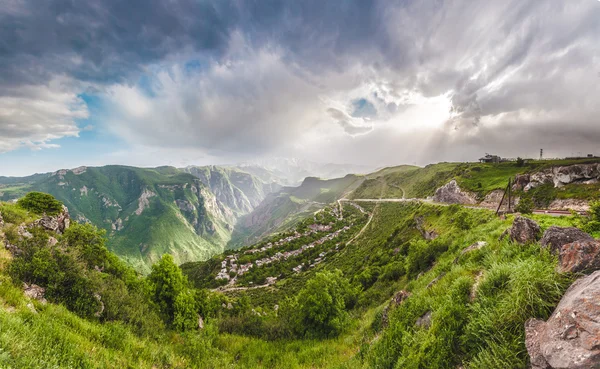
x=524 y=230
x=570 y=339
x=451 y=193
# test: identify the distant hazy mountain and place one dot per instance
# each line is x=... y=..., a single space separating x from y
x=294 y=171
x=282 y=209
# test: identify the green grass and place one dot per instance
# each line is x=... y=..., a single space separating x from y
x=477 y=178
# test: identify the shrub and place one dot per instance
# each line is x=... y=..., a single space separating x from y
x=525 y=205
x=520 y=162
x=319 y=309
x=184 y=310
x=40 y=203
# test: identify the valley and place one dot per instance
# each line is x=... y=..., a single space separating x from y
x=376 y=271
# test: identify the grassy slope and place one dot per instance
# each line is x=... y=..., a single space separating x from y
x=517 y=282
x=487 y=332
x=473 y=177
x=162 y=227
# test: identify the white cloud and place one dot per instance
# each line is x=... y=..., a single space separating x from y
x=34 y=115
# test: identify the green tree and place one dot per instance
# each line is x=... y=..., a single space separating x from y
x=40 y=203
x=525 y=205
x=167 y=282
x=320 y=307
x=520 y=162
x=184 y=309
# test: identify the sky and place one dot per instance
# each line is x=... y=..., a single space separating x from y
x=181 y=82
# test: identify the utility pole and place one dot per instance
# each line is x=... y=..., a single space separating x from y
x=541 y=154
x=509 y=196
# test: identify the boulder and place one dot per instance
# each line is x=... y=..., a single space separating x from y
x=521 y=181
x=556 y=237
x=570 y=339
x=524 y=230
x=34 y=291
x=580 y=257
x=452 y=194
x=58 y=223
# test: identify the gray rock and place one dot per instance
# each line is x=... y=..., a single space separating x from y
x=34 y=291
x=424 y=321
x=452 y=194
x=580 y=257
x=570 y=339
x=524 y=230
x=58 y=223
x=476 y=246
x=556 y=237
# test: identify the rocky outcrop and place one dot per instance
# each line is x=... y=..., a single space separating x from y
x=428 y=235
x=556 y=237
x=580 y=257
x=144 y=201
x=58 y=223
x=570 y=339
x=185 y=205
x=34 y=291
x=524 y=230
x=492 y=199
x=452 y=194
x=396 y=300
x=569 y=204
x=559 y=176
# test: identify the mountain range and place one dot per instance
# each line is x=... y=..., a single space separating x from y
x=190 y=213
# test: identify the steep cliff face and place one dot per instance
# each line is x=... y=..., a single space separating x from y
x=235 y=189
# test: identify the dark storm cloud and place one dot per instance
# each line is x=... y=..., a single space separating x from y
x=264 y=73
x=104 y=40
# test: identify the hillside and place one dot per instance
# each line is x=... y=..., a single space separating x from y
x=288 y=206
x=482 y=180
x=437 y=286
x=355 y=285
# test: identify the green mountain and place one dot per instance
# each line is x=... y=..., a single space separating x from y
x=283 y=209
x=146 y=212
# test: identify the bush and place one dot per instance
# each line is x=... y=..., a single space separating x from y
x=525 y=205
x=520 y=162
x=185 y=316
x=40 y=203
x=319 y=310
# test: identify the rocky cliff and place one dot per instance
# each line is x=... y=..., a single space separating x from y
x=559 y=176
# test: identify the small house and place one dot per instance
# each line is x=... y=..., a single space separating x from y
x=490 y=159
